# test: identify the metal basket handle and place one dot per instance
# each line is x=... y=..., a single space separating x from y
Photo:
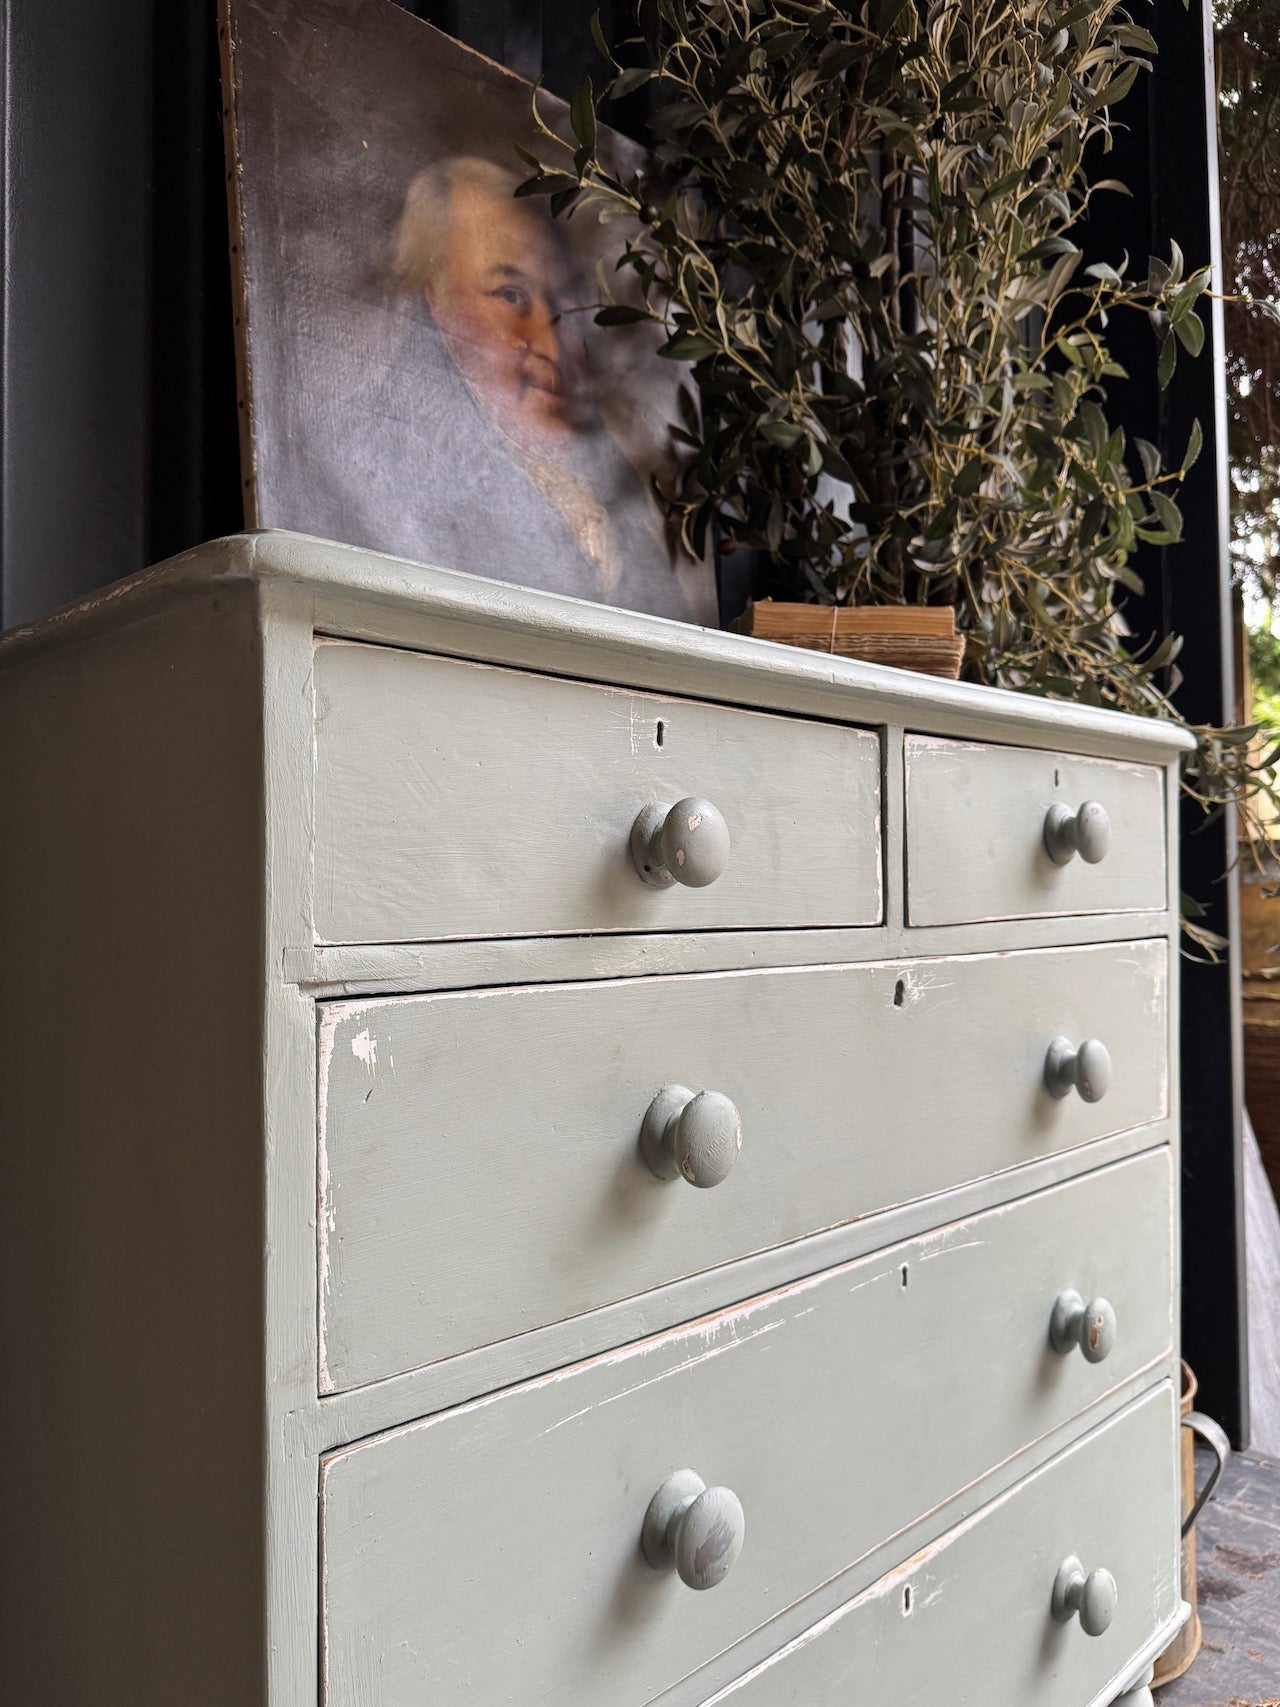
x=1204 y=1428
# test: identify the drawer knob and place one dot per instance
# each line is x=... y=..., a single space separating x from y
x=1086 y=1069
x=691 y=1136
x=1093 y=1597
x=1086 y=832
x=686 y=843
x=697 y=1529
x=1090 y=1326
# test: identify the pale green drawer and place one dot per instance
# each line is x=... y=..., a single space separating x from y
x=480 y=1173
x=500 y=1541
x=462 y=800
x=975 y=834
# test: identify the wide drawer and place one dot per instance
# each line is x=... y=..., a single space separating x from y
x=491 y=1553
x=969 y=1620
x=457 y=799
x=480 y=1172
x=976 y=834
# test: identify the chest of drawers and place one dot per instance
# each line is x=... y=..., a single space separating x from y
x=554 y=1157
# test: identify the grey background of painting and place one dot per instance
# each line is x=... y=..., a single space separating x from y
x=338 y=103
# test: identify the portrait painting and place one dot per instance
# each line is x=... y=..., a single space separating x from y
x=421 y=372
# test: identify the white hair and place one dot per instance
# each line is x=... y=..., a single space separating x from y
x=423 y=227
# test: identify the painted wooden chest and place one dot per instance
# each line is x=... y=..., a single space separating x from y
x=555 y=1157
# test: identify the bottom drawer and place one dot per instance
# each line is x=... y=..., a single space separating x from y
x=970 y=1620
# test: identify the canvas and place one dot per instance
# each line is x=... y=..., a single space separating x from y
x=420 y=369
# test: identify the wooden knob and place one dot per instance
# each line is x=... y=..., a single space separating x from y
x=686 y=843
x=1092 y=1598
x=694 y=1136
x=1090 y=1326
x=1086 y=1069
x=697 y=1529
x=1086 y=832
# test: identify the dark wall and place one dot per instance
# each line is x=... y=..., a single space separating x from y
x=118 y=369
x=1166 y=150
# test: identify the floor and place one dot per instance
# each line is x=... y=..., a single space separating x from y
x=1239 y=1530
x=1239 y=1541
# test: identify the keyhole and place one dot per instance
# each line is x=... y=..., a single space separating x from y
x=1056 y=782
x=899 y=992
x=905 y=1276
x=906 y=1601
x=662 y=729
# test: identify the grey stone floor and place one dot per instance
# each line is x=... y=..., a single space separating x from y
x=1239 y=1559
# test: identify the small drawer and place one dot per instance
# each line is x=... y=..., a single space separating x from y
x=481 y=1172
x=971 y=1618
x=463 y=800
x=978 y=846
x=503 y=1540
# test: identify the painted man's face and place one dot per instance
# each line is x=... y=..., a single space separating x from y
x=497 y=300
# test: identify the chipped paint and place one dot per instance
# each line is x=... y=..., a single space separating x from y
x=677 y=1369
x=364 y=1046
x=325 y=1217
x=917 y=981
x=924 y=1559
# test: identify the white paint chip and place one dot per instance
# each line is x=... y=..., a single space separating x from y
x=364 y=1046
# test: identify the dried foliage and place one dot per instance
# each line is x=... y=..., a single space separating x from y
x=859 y=233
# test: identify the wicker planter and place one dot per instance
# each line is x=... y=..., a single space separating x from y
x=910 y=637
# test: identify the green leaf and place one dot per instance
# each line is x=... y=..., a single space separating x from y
x=1114 y=91
x=563 y=200
x=618 y=314
x=627 y=82
x=1150 y=458
x=1190 y=333
x=1194 y=446
x=1165 y=652
x=1168 y=512
x=968 y=479
x=597 y=36
x=785 y=434
x=1159 y=274
x=582 y=114
x=689 y=347
x=548 y=184
x=1168 y=362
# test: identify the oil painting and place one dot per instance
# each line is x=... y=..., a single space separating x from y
x=420 y=369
